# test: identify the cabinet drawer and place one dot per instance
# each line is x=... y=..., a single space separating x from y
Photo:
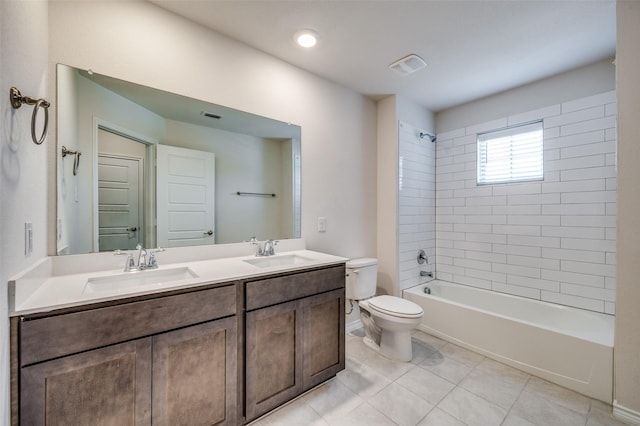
x=51 y=337
x=289 y=287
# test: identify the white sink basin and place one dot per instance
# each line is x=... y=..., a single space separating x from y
x=130 y=280
x=283 y=260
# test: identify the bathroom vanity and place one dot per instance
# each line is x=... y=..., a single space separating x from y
x=222 y=347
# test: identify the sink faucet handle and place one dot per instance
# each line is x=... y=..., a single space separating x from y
x=256 y=243
x=153 y=261
x=130 y=264
x=269 y=247
x=142 y=256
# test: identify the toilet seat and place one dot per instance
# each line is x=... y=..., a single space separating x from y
x=395 y=306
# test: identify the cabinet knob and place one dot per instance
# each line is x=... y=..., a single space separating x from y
x=209 y=232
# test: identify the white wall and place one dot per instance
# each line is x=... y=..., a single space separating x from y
x=142 y=43
x=23 y=165
x=387 y=196
x=627 y=342
x=552 y=240
x=595 y=78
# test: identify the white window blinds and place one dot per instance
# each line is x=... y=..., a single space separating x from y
x=514 y=154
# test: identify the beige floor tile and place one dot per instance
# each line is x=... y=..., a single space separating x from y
x=471 y=409
x=363 y=380
x=426 y=385
x=428 y=339
x=461 y=354
x=467 y=389
x=446 y=367
x=356 y=349
x=297 y=413
x=514 y=420
x=400 y=405
x=388 y=368
x=561 y=396
x=332 y=400
x=492 y=388
x=503 y=372
x=420 y=350
x=437 y=417
x=365 y=415
x=535 y=408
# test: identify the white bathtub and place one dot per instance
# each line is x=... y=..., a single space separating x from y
x=567 y=346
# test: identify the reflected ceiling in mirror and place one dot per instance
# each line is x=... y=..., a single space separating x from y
x=161 y=169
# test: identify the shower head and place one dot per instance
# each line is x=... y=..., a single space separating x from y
x=431 y=137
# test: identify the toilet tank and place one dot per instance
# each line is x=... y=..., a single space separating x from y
x=361 y=278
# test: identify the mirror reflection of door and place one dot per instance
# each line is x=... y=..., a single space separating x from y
x=120 y=192
x=186 y=197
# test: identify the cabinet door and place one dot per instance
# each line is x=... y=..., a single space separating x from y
x=273 y=357
x=194 y=375
x=323 y=337
x=108 y=386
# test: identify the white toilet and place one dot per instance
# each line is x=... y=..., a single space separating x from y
x=387 y=320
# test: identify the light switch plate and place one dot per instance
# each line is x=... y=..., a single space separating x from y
x=322 y=224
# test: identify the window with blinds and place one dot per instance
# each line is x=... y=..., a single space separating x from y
x=514 y=154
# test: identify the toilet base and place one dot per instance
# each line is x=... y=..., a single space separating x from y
x=393 y=345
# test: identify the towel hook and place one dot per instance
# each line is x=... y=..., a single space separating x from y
x=16 y=102
x=76 y=160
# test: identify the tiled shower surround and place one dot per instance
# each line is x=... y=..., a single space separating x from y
x=552 y=240
x=416 y=201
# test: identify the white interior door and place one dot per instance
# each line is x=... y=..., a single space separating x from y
x=186 y=197
x=119 y=202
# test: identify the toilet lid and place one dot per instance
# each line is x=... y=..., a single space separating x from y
x=395 y=306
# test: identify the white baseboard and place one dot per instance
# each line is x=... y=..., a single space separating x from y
x=626 y=415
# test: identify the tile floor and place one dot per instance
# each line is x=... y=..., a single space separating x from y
x=443 y=385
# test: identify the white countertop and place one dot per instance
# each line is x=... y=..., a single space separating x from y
x=55 y=282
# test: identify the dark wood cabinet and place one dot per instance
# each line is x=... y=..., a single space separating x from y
x=323 y=336
x=136 y=363
x=108 y=386
x=194 y=375
x=292 y=345
x=273 y=357
x=218 y=354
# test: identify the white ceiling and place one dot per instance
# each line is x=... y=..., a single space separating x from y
x=472 y=48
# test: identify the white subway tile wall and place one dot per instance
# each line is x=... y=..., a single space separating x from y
x=552 y=240
x=416 y=201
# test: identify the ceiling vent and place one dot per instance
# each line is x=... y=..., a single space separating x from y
x=408 y=65
x=211 y=115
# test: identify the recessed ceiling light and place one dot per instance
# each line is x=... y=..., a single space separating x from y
x=306 y=38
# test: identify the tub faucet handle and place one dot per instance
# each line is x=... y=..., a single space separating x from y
x=422 y=257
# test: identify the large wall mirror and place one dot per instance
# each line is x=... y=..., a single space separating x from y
x=140 y=165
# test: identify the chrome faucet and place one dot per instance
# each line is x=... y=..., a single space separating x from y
x=267 y=248
x=142 y=257
x=143 y=263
